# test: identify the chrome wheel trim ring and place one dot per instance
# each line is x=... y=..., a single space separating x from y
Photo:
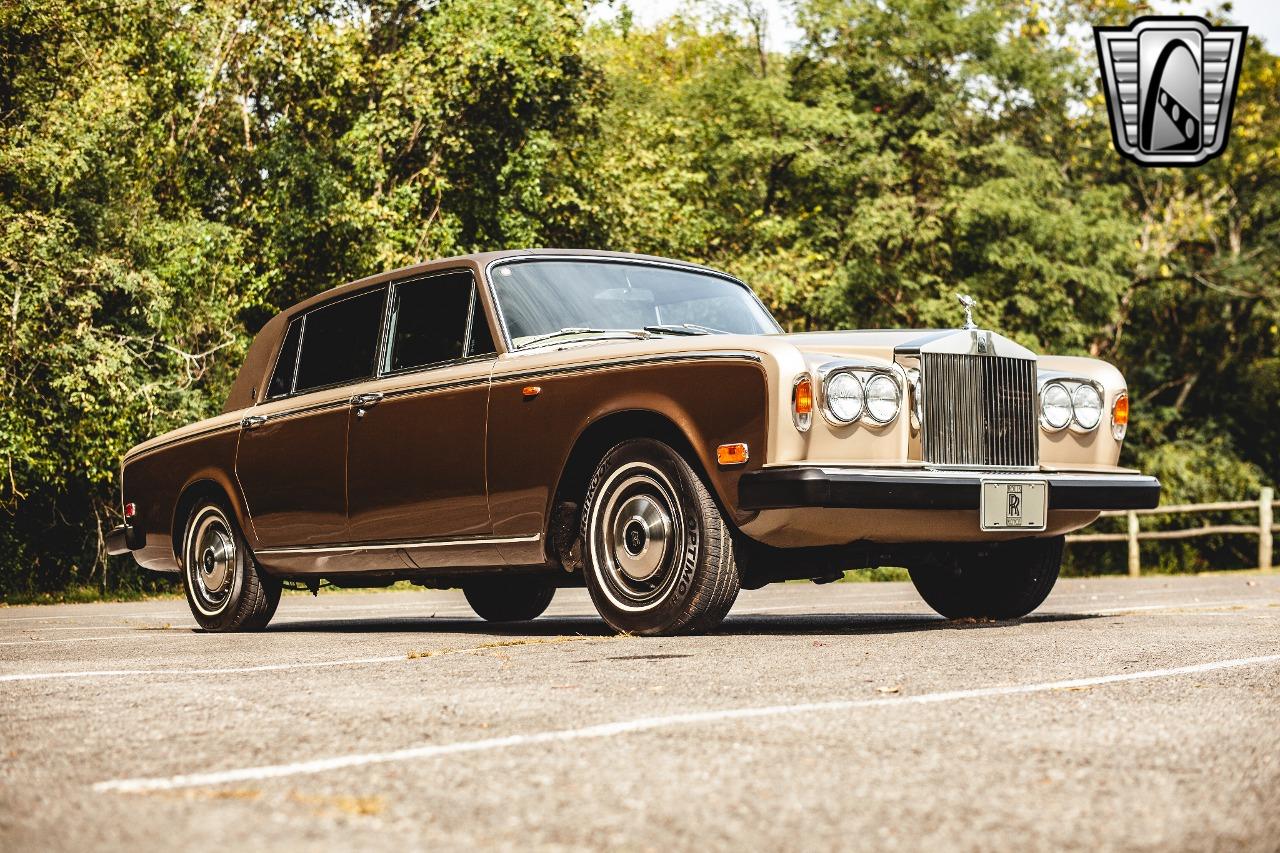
x=636 y=575
x=210 y=561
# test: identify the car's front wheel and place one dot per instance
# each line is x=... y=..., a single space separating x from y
x=659 y=555
x=225 y=588
x=1005 y=582
x=511 y=599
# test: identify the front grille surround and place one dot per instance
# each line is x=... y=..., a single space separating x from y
x=979 y=411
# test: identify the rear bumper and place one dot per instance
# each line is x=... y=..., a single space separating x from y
x=878 y=488
x=125 y=539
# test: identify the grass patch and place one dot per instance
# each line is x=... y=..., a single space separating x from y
x=884 y=573
x=89 y=595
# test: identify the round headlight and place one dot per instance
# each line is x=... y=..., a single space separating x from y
x=1055 y=406
x=883 y=398
x=843 y=396
x=1086 y=402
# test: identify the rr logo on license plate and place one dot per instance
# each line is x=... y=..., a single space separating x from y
x=1014 y=504
x=1014 y=510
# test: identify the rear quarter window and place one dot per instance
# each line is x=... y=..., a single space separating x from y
x=282 y=376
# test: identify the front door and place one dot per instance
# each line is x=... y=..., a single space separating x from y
x=291 y=461
x=415 y=459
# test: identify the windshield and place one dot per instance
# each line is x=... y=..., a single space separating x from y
x=547 y=300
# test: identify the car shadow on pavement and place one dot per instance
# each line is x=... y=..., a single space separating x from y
x=875 y=623
x=745 y=624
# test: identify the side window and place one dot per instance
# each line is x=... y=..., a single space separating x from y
x=429 y=320
x=340 y=341
x=282 y=377
x=481 y=340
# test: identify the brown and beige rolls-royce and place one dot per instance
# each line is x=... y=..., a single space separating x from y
x=514 y=422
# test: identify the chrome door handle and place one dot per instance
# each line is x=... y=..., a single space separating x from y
x=251 y=421
x=365 y=400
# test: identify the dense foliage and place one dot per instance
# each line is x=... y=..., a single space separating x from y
x=171 y=173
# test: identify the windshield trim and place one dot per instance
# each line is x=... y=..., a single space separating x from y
x=510 y=347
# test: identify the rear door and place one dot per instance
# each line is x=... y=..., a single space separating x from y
x=415 y=459
x=292 y=455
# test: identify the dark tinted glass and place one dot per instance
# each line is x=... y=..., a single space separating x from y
x=340 y=341
x=430 y=320
x=282 y=377
x=481 y=338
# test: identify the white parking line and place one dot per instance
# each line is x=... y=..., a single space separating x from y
x=130 y=636
x=622 y=727
x=279 y=667
x=1198 y=605
x=226 y=670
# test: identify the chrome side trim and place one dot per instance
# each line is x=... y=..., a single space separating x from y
x=133 y=456
x=592 y=366
x=391 y=546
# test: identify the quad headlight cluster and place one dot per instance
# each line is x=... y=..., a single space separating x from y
x=1074 y=403
x=872 y=396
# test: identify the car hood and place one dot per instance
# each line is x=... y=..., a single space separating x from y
x=884 y=344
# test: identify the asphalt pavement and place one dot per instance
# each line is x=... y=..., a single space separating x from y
x=1125 y=714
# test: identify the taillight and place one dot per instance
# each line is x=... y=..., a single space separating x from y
x=130 y=510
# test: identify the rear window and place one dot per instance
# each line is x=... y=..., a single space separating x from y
x=340 y=341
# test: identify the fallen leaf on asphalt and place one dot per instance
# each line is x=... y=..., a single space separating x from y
x=360 y=806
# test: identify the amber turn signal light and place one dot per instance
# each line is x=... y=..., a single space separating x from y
x=732 y=454
x=531 y=391
x=802 y=402
x=1120 y=416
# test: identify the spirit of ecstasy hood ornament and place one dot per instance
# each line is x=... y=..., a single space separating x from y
x=968 y=302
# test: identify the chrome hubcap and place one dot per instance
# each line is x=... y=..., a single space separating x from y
x=637 y=529
x=641 y=537
x=210 y=560
x=215 y=559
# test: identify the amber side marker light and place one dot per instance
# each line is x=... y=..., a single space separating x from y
x=531 y=391
x=1120 y=416
x=732 y=454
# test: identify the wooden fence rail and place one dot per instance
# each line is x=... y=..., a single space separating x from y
x=1264 y=505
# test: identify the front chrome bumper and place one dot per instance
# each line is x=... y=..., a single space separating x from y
x=793 y=486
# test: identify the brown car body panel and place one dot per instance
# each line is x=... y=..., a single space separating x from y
x=712 y=398
x=456 y=466
x=155 y=481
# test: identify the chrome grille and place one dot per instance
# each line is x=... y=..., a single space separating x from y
x=979 y=410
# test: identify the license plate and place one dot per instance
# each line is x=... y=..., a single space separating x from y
x=1014 y=504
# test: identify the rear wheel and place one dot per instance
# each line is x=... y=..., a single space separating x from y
x=225 y=588
x=1007 y=582
x=659 y=555
x=513 y=599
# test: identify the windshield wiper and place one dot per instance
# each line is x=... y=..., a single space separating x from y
x=684 y=329
x=579 y=330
